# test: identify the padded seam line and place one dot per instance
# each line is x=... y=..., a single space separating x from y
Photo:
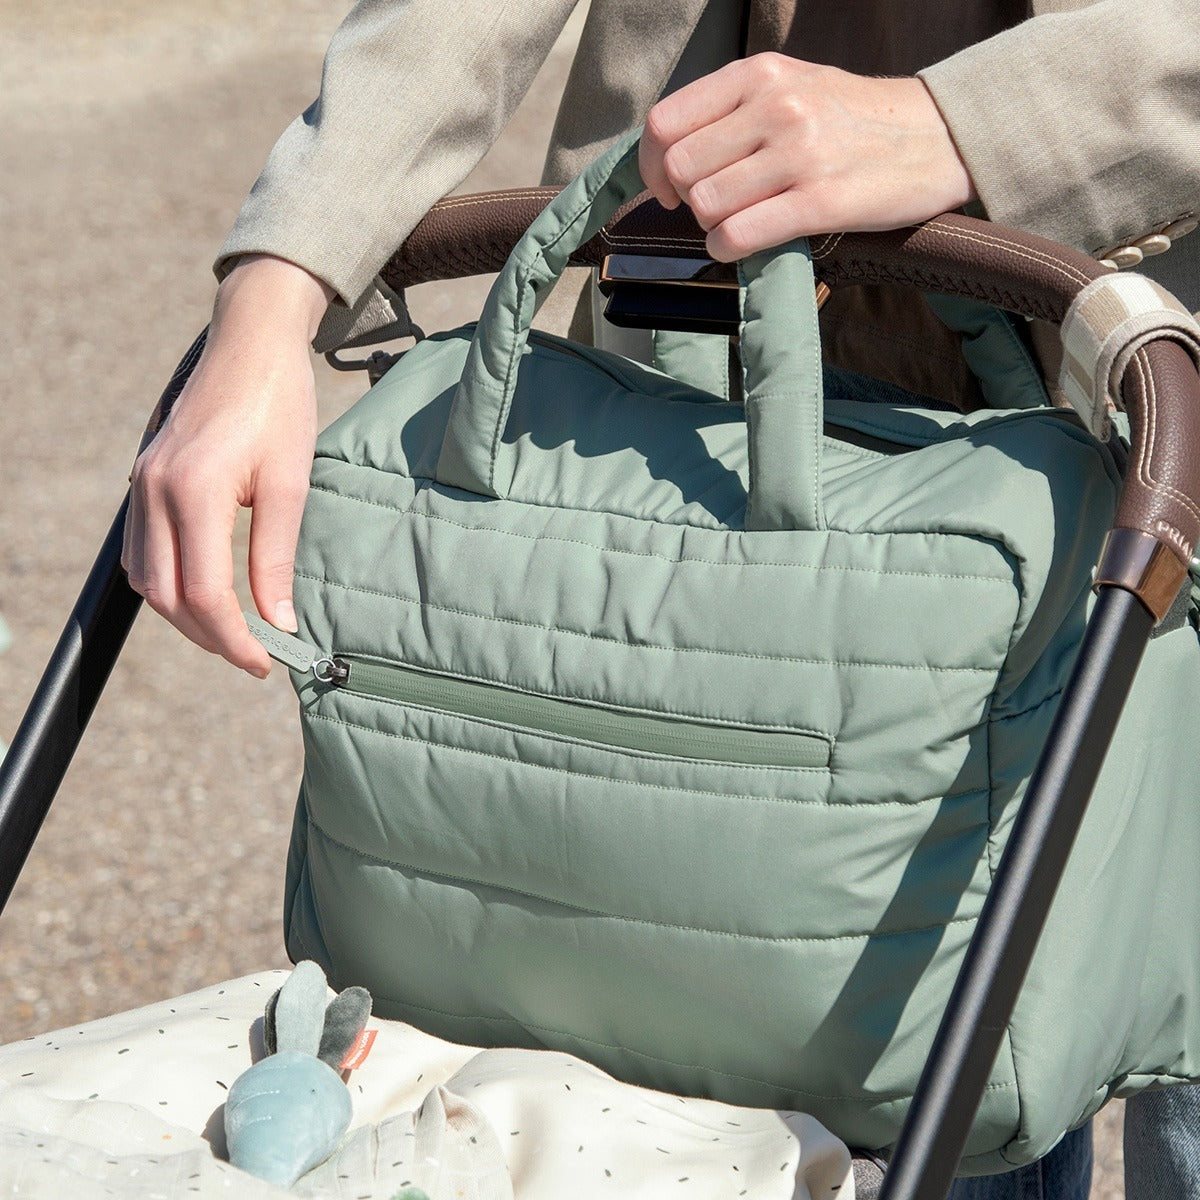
x=596 y=637
x=662 y=787
x=769 y=939
x=1025 y=712
x=709 y=562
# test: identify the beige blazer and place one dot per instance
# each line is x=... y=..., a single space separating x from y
x=1082 y=123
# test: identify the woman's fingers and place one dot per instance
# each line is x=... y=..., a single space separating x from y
x=207 y=608
x=241 y=434
x=178 y=532
x=681 y=114
x=274 y=532
x=770 y=222
x=238 y=451
x=821 y=150
x=160 y=581
x=175 y=611
x=737 y=187
x=654 y=171
x=695 y=160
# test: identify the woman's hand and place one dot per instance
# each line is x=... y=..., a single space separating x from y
x=770 y=148
x=240 y=434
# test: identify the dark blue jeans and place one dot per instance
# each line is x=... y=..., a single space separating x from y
x=1162 y=1145
x=1063 y=1174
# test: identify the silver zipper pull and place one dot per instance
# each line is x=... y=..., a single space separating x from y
x=333 y=671
x=296 y=654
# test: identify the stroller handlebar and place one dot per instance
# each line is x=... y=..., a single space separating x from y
x=959 y=255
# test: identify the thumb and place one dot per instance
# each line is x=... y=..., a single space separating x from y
x=274 y=530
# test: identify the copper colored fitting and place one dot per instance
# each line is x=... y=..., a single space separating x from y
x=1143 y=565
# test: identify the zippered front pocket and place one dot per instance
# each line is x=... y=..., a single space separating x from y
x=680 y=738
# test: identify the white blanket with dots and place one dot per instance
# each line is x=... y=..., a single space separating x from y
x=131 y=1106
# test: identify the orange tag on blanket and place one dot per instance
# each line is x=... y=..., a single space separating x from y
x=361 y=1047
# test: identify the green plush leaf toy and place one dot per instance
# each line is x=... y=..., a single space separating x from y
x=288 y=1112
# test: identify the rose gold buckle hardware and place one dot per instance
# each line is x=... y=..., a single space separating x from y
x=674 y=272
x=694 y=295
x=1139 y=563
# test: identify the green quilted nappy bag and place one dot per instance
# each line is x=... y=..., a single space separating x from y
x=684 y=735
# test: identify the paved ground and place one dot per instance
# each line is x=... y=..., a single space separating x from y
x=128 y=133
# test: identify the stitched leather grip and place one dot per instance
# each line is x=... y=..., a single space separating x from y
x=952 y=254
x=1155 y=534
x=473 y=235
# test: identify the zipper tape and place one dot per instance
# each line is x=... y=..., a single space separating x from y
x=667 y=736
x=670 y=737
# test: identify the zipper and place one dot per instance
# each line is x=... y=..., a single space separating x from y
x=672 y=738
x=295 y=653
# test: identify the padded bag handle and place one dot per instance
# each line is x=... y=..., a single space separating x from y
x=780 y=349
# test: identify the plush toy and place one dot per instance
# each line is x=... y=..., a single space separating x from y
x=288 y=1112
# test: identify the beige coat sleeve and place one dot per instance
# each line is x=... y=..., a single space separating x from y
x=412 y=96
x=1082 y=125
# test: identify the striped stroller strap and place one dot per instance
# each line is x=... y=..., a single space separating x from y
x=1108 y=322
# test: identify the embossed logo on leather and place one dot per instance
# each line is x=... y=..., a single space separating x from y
x=1174 y=537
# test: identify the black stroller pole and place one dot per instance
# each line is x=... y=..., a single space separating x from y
x=58 y=714
x=931 y=1142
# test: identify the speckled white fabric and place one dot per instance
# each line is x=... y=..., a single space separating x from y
x=128 y=1107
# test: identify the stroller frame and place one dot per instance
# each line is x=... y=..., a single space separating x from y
x=1140 y=573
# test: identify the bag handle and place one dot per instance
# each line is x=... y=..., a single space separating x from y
x=780 y=347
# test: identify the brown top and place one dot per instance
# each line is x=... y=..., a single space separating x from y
x=877 y=37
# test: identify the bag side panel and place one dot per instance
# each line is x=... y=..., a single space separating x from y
x=1114 y=985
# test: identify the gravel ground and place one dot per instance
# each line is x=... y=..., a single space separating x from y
x=129 y=133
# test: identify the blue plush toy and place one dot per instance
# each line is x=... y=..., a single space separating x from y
x=288 y=1112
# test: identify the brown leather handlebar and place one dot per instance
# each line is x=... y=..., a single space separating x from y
x=473 y=235
x=1158 y=523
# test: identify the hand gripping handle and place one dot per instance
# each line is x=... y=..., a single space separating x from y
x=780 y=345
